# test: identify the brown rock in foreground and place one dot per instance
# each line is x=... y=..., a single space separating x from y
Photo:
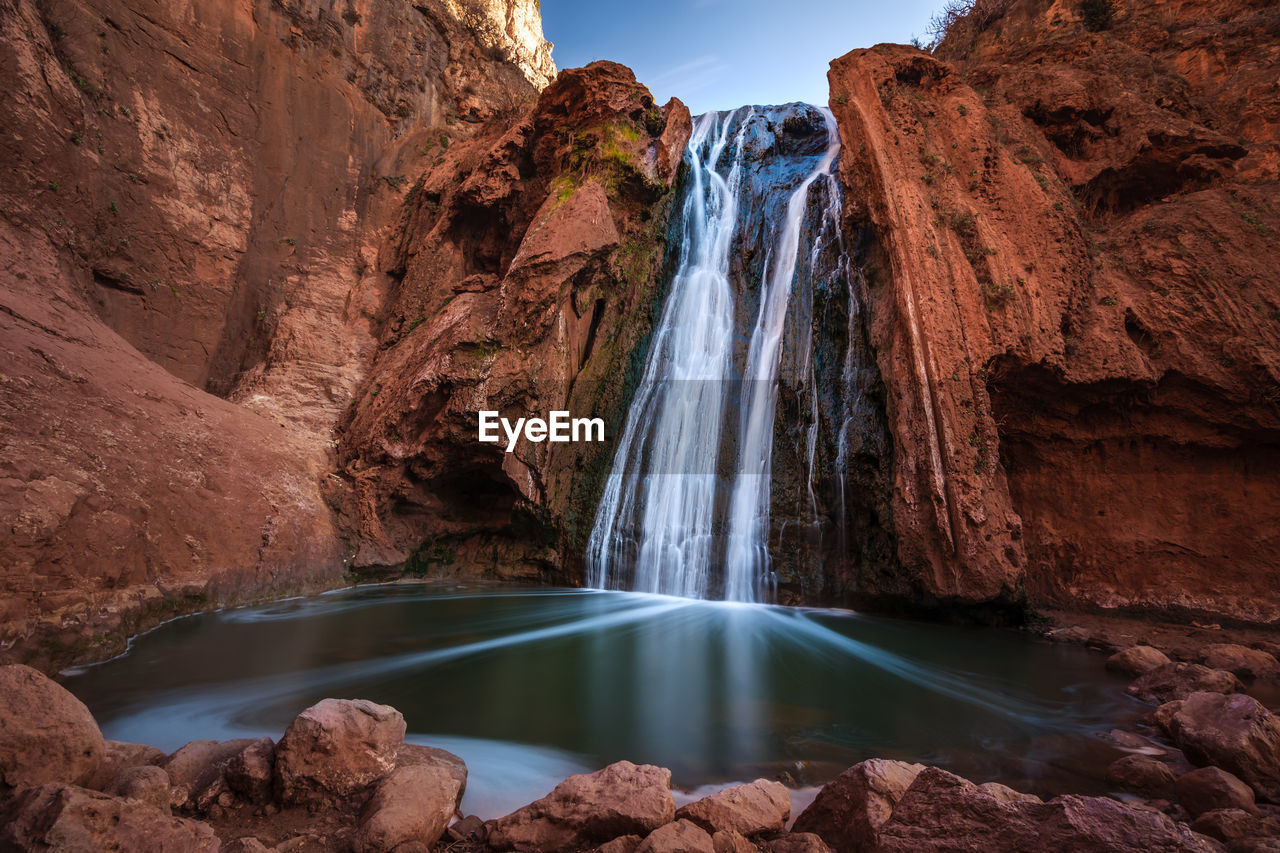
x=590 y=809
x=336 y=748
x=1142 y=773
x=46 y=734
x=1212 y=788
x=64 y=817
x=411 y=805
x=1233 y=732
x=941 y=811
x=850 y=809
x=679 y=836
x=759 y=807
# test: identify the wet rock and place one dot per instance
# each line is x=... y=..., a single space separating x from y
x=849 y=809
x=1142 y=773
x=762 y=806
x=46 y=734
x=798 y=842
x=335 y=749
x=66 y=817
x=728 y=841
x=680 y=836
x=1231 y=826
x=412 y=805
x=147 y=783
x=1211 y=788
x=119 y=756
x=941 y=811
x=1233 y=732
x=592 y=808
x=1241 y=660
x=1174 y=681
x=196 y=771
x=1074 y=634
x=1137 y=660
x=624 y=844
x=250 y=771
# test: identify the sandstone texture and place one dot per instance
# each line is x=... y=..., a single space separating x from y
x=194 y=203
x=1072 y=298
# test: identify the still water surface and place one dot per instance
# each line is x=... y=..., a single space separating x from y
x=529 y=685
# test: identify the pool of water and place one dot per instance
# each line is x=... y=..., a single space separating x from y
x=529 y=685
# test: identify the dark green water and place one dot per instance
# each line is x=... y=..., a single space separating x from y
x=529 y=685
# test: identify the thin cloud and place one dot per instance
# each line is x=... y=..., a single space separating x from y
x=690 y=76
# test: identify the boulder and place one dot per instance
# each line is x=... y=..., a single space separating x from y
x=65 y=817
x=1179 y=680
x=1233 y=732
x=1241 y=660
x=762 y=806
x=46 y=734
x=1212 y=788
x=728 y=841
x=1137 y=660
x=849 y=809
x=147 y=783
x=1142 y=773
x=590 y=809
x=250 y=771
x=335 y=749
x=941 y=811
x=680 y=836
x=119 y=756
x=412 y=805
x=196 y=771
x=415 y=754
x=798 y=842
x=1231 y=826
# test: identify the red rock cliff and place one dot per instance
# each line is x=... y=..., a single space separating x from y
x=1075 y=305
x=194 y=199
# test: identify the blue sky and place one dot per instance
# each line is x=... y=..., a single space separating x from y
x=721 y=54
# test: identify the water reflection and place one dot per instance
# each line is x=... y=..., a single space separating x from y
x=557 y=681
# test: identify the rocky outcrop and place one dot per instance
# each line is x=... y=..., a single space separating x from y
x=527 y=269
x=1071 y=296
x=193 y=207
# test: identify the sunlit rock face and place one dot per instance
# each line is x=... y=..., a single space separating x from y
x=515 y=28
x=1075 y=306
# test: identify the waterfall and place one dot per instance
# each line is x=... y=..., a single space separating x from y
x=689 y=489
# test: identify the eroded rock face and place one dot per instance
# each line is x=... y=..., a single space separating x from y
x=850 y=809
x=64 y=817
x=46 y=734
x=1071 y=301
x=591 y=809
x=541 y=245
x=194 y=209
x=335 y=749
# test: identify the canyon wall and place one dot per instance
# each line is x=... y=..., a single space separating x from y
x=195 y=202
x=1074 y=302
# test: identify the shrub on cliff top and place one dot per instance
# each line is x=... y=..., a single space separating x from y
x=963 y=20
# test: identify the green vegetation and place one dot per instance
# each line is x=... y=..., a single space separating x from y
x=54 y=185
x=840 y=100
x=1256 y=224
x=962 y=109
x=1110 y=301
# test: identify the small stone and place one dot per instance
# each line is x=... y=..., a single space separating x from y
x=148 y=783
x=1142 y=773
x=1241 y=660
x=1231 y=825
x=728 y=841
x=471 y=827
x=1137 y=660
x=1179 y=680
x=621 y=844
x=798 y=842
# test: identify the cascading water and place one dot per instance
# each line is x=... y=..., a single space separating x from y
x=690 y=486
